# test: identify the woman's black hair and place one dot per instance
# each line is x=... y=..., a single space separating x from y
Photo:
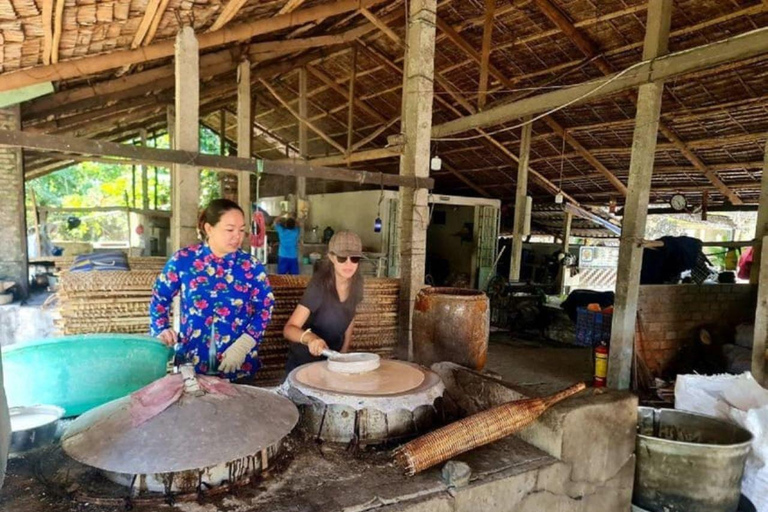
x=325 y=275
x=213 y=212
x=290 y=223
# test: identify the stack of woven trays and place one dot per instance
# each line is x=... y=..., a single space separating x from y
x=63 y=263
x=118 y=302
x=375 y=323
x=104 y=301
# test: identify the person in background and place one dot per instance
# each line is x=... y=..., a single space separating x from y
x=288 y=252
x=224 y=291
x=325 y=316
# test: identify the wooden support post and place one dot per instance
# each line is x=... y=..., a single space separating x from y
x=244 y=136
x=186 y=179
x=490 y=7
x=562 y=273
x=761 y=227
x=301 y=182
x=145 y=238
x=761 y=318
x=351 y=111
x=635 y=211
x=521 y=194
x=417 y=124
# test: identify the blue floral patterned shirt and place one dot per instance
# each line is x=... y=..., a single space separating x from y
x=233 y=291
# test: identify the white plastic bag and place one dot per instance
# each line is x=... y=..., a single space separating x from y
x=740 y=399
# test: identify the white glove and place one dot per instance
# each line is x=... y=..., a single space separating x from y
x=234 y=357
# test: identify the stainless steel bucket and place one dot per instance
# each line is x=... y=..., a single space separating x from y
x=688 y=462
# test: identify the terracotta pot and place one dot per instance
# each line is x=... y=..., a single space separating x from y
x=451 y=324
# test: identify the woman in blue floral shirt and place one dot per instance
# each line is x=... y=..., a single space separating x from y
x=224 y=291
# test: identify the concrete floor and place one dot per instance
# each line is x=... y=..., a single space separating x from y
x=542 y=367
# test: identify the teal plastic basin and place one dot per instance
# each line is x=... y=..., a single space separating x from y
x=79 y=373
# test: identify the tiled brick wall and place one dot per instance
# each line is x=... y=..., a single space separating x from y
x=13 y=258
x=669 y=316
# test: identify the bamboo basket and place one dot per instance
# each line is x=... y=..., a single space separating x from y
x=475 y=431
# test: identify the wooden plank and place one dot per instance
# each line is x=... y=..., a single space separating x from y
x=732 y=49
x=290 y=6
x=761 y=226
x=635 y=212
x=230 y=11
x=356 y=157
x=521 y=195
x=301 y=120
x=156 y=22
x=146 y=21
x=127 y=154
x=382 y=26
x=416 y=111
x=95 y=64
x=490 y=7
x=185 y=179
x=761 y=319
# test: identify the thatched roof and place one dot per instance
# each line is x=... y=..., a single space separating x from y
x=719 y=114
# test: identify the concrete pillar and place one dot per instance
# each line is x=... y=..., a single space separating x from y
x=13 y=250
x=5 y=428
x=761 y=319
x=185 y=188
x=636 y=209
x=417 y=125
x=761 y=227
x=562 y=273
x=521 y=193
x=244 y=136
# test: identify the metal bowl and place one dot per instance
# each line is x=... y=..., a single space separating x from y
x=33 y=427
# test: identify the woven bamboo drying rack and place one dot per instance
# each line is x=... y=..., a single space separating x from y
x=475 y=431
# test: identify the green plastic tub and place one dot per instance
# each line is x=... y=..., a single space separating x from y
x=78 y=373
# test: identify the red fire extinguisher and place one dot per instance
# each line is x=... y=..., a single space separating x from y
x=601 y=366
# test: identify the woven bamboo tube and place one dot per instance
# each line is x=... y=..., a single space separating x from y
x=475 y=431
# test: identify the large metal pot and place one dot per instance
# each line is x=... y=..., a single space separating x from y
x=33 y=427
x=688 y=462
x=451 y=324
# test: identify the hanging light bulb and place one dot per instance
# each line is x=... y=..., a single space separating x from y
x=436 y=163
x=559 y=198
x=377 y=225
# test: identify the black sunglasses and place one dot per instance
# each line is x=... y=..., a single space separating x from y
x=343 y=259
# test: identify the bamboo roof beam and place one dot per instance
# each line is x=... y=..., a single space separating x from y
x=95 y=64
x=736 y=48
x=382 y=26
x=467 y=48
x=591 y=51
x=303 y=121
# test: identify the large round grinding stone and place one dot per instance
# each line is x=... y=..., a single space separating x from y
x=390 y=378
